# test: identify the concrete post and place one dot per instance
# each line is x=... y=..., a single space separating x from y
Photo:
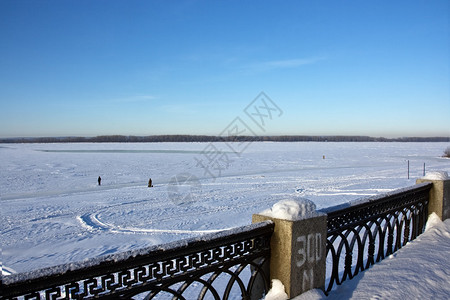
x=439 y=197
x=298 y=250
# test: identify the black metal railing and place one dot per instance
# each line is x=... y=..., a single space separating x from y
x=214 y=266
x=366 y=231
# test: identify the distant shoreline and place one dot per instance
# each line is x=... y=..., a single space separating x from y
x=209 y=138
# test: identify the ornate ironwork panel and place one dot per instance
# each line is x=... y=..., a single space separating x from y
x=212 y=266
x=362 y=233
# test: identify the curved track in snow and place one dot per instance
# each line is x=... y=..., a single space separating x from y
x=93 y=222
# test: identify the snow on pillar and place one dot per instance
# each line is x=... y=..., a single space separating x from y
x=439 y=193
x=298 y=245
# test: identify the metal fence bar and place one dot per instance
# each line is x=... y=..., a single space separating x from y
x=171 y=269
x=364 y=232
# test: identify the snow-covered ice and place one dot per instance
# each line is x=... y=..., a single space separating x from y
x=53 y=211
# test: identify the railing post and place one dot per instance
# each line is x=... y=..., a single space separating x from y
x=298 y=252
x=439 y=194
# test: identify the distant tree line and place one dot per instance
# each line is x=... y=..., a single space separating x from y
x=209 y=138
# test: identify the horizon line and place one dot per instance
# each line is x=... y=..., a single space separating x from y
x=209 y=138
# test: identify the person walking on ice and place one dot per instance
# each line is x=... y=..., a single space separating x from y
x=150 y=183
x=99 y=180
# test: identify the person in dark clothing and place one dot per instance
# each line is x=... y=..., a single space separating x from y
x=99 y=180
x=150 y=183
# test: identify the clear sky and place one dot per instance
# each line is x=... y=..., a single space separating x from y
x=95 y=67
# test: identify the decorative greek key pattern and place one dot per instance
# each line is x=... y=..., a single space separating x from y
x=367 y=232
x=210 y=267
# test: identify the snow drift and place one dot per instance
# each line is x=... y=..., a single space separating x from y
x=294 y=209
x=436 y=175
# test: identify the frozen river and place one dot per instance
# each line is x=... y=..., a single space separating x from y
x=53 y=211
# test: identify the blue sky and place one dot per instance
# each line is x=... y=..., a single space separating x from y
x=86 y=68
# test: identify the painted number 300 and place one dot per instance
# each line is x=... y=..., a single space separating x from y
x=310 y=249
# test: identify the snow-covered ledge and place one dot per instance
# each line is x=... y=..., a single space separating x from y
x=298 y=244
x=439 y=193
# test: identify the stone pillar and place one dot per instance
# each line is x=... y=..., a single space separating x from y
x=439 y=196
x=298 y=249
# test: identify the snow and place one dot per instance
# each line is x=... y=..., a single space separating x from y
x=53 y=212
x=291 y=209
x=436 y=175
x=420 y=270
x=7 y=271
x=276 y=292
